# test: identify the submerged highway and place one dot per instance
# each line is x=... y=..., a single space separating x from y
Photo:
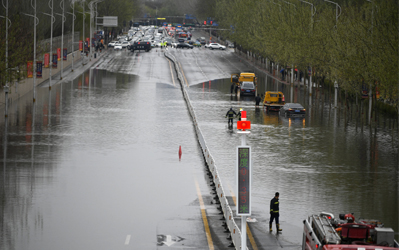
x=94 y=163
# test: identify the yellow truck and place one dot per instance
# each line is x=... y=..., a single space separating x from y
x=245 y=82
x=273 y=100
x=244 y=77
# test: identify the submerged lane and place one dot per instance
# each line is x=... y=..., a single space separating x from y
x=94 y=163
x=330 y=160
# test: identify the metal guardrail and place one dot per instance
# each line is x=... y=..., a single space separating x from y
x=212 y=167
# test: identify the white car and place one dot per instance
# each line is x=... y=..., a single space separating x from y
x=111 y=44
x=158 y=43
x=124 y=44
x=117 y=45
x=216 y=46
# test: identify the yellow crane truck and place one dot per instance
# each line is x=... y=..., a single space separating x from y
x=245 y=82
x=273 y=100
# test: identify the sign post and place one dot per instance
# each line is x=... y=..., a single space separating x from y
x=243 y=177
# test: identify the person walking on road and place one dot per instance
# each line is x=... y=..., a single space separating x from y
x=237 y=87
x=274 y=212
x=230 y=115
x=258 y=100
x=240 y=114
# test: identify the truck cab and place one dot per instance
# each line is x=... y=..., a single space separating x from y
x=273 y=101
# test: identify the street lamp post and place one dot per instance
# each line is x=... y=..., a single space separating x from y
x=90 y=30
x=36 y=22
x=62 y=5
x=51 y=37
x=338 y=12
x=91 y=7
x=7 y=20
x=83 y=21
x=313 y=11
x=370 y=85
x=62 y=42
x=73 y=31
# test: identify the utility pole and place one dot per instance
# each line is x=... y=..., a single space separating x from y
x=51 y=37
x=62 y=38
x=35 y=23
x=73 y=31
x=34 y=51
x=7 y=20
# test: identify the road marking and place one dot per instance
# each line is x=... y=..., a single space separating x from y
x=204 y=216
x=183 y=74
x=128 y=238
x=172 y=74
x=169 y=241
x=251 y=238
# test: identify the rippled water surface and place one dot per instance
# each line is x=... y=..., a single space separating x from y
x=93 y=161
x=330 y=160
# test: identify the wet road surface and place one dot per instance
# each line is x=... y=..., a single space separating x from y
x=94 y=163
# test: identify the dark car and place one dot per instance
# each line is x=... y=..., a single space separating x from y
x=184 y=45
x=292 y=109
x=247 y=88
x=142 y=45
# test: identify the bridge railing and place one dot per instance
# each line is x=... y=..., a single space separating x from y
x=212 y=167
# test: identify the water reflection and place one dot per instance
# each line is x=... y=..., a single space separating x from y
x=46 y=181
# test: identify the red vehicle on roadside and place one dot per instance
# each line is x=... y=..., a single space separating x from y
x=323 y=232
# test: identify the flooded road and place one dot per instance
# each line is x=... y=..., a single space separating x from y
x=93 y=164
x=331 y=160
x=327 y=161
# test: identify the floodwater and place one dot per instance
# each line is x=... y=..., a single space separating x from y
x=94 y=160
x=94 y=164
x=330 y=160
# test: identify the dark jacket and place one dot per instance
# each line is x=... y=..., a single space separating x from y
x=274 y=206
x=239 y=115
x=230 y=113
x=258 y=99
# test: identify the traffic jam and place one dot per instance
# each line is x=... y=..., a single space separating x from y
x=148 y=37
